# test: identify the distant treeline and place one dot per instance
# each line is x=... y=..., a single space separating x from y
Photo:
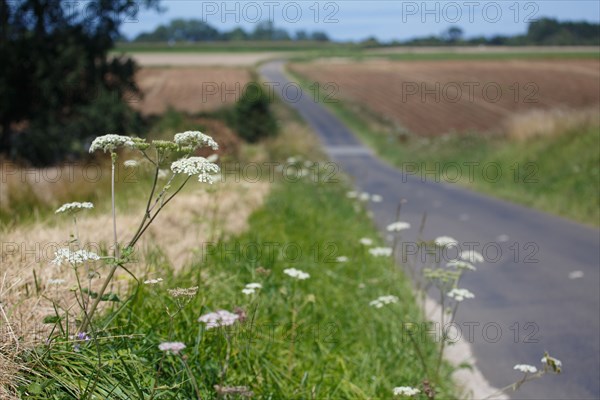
x=544 y=32
x=191 y=30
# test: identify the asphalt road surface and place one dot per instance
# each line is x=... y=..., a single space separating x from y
x=540 y=287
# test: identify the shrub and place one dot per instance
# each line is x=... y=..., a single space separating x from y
x=252 y=117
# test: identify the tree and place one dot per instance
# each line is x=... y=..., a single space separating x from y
x=453 y=34
x=55 y=72
x=252 y=117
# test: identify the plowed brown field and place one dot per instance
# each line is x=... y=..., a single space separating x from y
x=435 y=97
x=191 y=90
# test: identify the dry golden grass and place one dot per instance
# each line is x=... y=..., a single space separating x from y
x=199 y=215
x=553 y=122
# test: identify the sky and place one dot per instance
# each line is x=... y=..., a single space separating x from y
x=358 y=19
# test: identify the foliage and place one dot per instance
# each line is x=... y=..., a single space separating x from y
x=57 y=84
x=251 y=116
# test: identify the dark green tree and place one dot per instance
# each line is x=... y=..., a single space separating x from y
x=252 y=117
x=58 y=85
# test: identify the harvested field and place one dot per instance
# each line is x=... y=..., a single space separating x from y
x=436 y=97
x=191 y=90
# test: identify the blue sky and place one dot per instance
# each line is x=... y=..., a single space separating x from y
x=386 y=20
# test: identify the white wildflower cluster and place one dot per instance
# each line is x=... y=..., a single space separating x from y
x=74 y=207
x=153 y=281
x=195 y=139
x=461 y=265
x=406 y=391
x=526 y=368
x=445 y=241
x=62 y=256
x=364 y=196
x=381 y=251
x=183 y=292
x=251 y=288
x=552 y=362
x=110 y=143
x=296 y=273
x=172 y=347
x=471 y=256
x=366 y=241
x=460 y=294
x=196 y=166
x=218 y=318
x=398 y=226
x=341 y=259
x=383 y=300
x=130 y=163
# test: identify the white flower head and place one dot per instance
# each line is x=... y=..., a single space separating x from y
x=196 y=166
x=445 y=241
x=296 y=273
x=131 y=163
x=342 y=259
x=398 y=226
x=376 y=198
x=248 y=291
x=526 y=368
x=406 y=391
x=364 y=196
x=110 y=143
x=74 y=207
x=172 y=347
x=366 y=241
x=461 y=265
x=383 y=300
x=351 y=195
x=195 y=139
x=153 y=281
x=251 y=288
x=471 y=256
x=551 y=361
x=218 y=318
x=381 y=251
x=460 y=294
x=62 y=256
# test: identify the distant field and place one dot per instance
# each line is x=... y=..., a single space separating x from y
x=435 y=97
x=191 y=90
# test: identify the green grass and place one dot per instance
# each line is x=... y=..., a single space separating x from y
x=559 y=174
x=499 y=56
x=224 y=47
x=344 y=349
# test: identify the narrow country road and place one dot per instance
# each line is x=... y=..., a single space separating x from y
x=527 y=299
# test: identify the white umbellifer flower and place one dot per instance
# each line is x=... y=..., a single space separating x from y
x=218 y=318
x=62 y=256
x=525 y=368
x=195 y=166
x=471 y=255
x=296 y=273
x=366 y=241
x=445 y=241
x=153 y=281
x=74 y=207
x=460 y=294
x=341 y=259
x=381 y=251
x=195 y=139
x=351 y=195
x=383 y=300
x=173 y=347
x=131 y=163
x=398 y=226
x=56 y=281
x=549 y=360
x=406 y=391
x=291 y=160
x=248 y=291
x=376 y=198
x=254 y=285
x=213 y=157
x=364 y=196
x=110 y=143
x=183 y=292
x=461 y=265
